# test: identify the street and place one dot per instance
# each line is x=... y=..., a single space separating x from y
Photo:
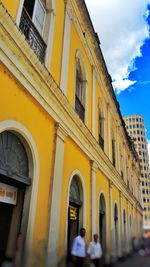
x=135 y=261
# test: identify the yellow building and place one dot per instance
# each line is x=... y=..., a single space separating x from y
x=136 y=130
x=65 y=157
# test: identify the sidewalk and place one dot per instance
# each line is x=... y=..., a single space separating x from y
x=135 y=261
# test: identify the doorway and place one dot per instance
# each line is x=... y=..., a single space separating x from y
x=14 y=180
x=5 y=221
x=75 y=219
x=116 y=230
x=102 y=223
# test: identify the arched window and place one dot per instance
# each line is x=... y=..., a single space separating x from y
x=100 y=124
x=74 y=195
x=13 y=157
x=80 y=87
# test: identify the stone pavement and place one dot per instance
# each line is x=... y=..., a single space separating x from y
x=135 y=261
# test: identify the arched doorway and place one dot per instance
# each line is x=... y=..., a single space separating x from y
x=102 y=222
x=14 y=179
x=75 y=212
x=116 y=230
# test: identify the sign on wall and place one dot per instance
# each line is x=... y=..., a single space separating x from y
x=73 y=213
x=8 y=194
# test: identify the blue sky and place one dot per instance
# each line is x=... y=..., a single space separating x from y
x=136 y=98
x=123 y=27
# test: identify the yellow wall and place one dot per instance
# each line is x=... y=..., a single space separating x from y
x=11 y=6
x=16 y=104
x=56 y=60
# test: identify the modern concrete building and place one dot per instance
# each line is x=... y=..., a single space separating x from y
x=136 y=130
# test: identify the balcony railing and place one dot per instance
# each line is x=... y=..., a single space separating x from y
x=101 y=142
x=79 y=108
x=32 y=35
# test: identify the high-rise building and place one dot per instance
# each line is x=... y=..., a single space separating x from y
x=136 y=130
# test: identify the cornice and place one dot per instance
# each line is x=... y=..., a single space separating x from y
x=21 y=61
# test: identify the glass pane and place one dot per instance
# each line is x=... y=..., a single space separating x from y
x=74 y=189
x=38 y=26
x=39 y=16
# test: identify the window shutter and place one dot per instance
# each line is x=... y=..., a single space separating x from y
x=39 y=16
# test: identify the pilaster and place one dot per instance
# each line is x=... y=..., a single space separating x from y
x=121 y=225
x=55 y=205
x=127 y=225
x=111 y=220
x=65 y=51
x=94 y=167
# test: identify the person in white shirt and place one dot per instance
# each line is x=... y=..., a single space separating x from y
x=78 y=250
x=95 y=251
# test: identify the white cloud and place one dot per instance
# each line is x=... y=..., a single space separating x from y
x=122 y=84
x=122 y=31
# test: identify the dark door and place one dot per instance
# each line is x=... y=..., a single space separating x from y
x=101 y=227
x=102 y=231
x=5 y=221
x=73 y=224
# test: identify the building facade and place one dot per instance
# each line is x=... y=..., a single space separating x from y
x=65 y=157
x=136 y=130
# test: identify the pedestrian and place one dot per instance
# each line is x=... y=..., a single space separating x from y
x=78 y=250
x=95 y=251
x=134 y=244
